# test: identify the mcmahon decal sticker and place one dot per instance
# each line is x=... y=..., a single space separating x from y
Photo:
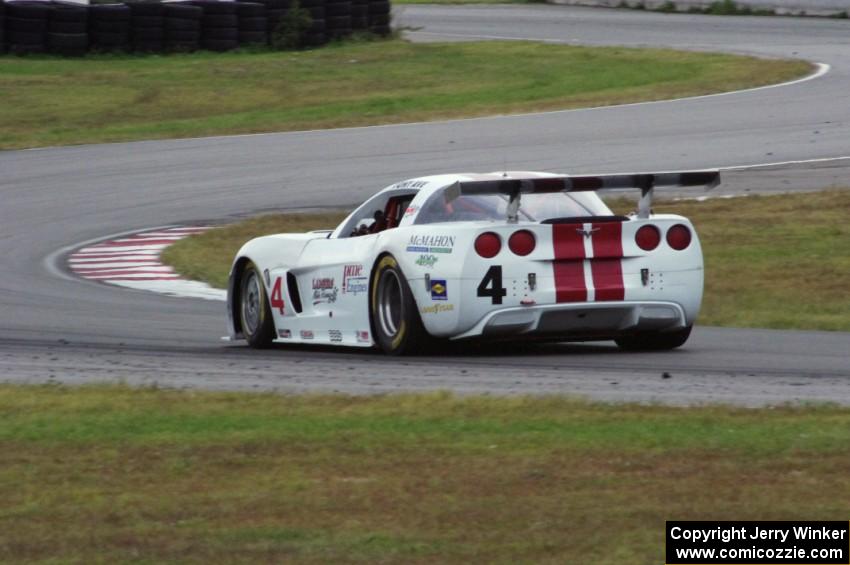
x=437 y=308
x=411 y=184
x=431 y=243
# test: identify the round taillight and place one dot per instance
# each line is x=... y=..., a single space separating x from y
x=679 y=237
x=522 y=243
x=648 y=237
x=488 y=245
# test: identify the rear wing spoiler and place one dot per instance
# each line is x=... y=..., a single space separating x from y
x=646 y=182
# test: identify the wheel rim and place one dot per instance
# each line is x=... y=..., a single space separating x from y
x=251 y=306
x=389 y=303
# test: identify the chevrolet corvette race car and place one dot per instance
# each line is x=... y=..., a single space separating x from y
x=515 y=255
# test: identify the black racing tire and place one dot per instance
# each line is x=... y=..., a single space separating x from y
x=396 y=323
x=253 y=24
x=220 y=34
x=69 y=13
x=317 y=27
x=183 y=37
x=35 y=10
x=381 y=30
x=379 y=7
x=26 y=38
x=180 y=11
x=219 y=20
x=148 y=34
x=359 y=23
x=26 y=25
x=250 y=10
x=254 y=311
x=253 y=38
x=654 y=341
x=59 y=42
x=97 y=27
x=339 y=23
x=68 y=27
x=317 y=12
x=145 y=9
x=338 y=9
x=147 y=21
x=216 y=7
x=181 y=24
x=109 y=13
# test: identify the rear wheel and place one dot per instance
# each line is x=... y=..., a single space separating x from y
x=654 y=341
x=396 y=324
x=254 y=311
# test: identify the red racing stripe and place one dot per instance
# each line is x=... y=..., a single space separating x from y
x=568 y=266
x=606 y=266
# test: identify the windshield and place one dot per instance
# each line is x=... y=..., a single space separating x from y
x=534 y=208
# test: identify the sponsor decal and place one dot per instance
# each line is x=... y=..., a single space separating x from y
x=427 y=260
x=437 y=308
x=431 y=243
x=335 y=335
x=324 y=291
x=411 y=210
x=410 y=184
x=363 y=336
x=439 y=290
x=354 y=280
x=285 y=334
x=306 y=334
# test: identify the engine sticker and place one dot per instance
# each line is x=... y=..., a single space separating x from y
x=439 y=290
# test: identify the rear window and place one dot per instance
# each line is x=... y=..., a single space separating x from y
x=493 y=207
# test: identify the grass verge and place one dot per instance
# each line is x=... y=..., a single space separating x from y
x=121 y=98
x=771 y=261
x=109 y=474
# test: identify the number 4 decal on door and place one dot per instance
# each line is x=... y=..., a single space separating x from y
x=491 y=285
x=277 y=296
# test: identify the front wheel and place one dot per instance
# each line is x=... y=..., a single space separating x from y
x=254 y=311
x=396 y=323
x=654 y=341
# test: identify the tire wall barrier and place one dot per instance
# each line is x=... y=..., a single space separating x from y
x=72 y=30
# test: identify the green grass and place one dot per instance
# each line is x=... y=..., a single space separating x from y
x=110 y=474
x=50 y=101
x=771 y=261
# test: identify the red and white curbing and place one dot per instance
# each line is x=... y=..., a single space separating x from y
x=133 y=261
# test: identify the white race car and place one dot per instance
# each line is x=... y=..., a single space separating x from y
x=514 y=255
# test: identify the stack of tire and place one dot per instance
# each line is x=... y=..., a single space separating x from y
x=109 y=27
x=219 y=25
x=379 y=17
x=338 y=18
x=2 y=27
x=146 y=27
x=67 y=32
x=26 y=27
x=182 y=27
x=253 y=23
x=317 y=34
x=360 y=14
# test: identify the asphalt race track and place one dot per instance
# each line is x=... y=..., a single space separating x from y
x=57 y=328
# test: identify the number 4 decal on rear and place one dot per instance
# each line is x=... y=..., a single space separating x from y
x=277 y=296
x=491 y=285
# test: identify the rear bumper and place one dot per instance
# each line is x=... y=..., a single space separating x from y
x=586 y=320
